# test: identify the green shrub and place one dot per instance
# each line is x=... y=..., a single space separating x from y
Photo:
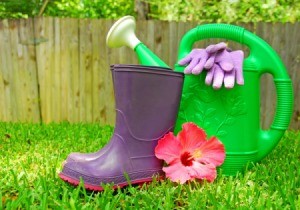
x=171 y=10
x=90 y=9
x=226 y=10
x=67 y=8
x=19 y=8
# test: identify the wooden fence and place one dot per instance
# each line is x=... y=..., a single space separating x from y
x=54 y=69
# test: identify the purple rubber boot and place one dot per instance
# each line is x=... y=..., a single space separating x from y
x=79 y=157
x=147 y=102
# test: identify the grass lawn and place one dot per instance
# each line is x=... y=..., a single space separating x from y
x=31 y=157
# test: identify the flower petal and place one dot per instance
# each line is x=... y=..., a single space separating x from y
x=203 y=171
x=177 y=173
x=168 y=148
x=191 y=136
x=212 y=151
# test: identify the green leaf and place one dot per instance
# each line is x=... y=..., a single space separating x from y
x=221 y=133
x=210 y=112
x=229 y=121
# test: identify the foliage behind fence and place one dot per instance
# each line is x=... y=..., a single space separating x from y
x=54 y=69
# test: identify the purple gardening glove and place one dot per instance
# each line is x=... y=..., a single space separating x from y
x=221 y=71
x=219 y=54
x=199 y=58
x=222 y=65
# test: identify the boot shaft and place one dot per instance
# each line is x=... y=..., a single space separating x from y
x=147 y=103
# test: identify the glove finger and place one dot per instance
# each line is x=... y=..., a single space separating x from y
x=193 y=63
x=185 y=60
x=216 y=47
x=218 y=77
x=229 y=78
x=192 y=55
x=199 y=67
x=238 y=57
x=210 y=61
x=239 y=77
x=187 y=71
x=225 y=61
x=209 y=76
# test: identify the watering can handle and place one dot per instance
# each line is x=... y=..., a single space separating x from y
x=267 y=62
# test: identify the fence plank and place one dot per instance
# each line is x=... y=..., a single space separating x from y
x=292 y=60
x=4 y=103
x=28 y=71
x=108 y=96
x=65 y=68
x=12 y=70
x=95 y=69
x=173 y=27
x=85 y=62
x=157 y=38
x=74 y=93
x=56 y=77
x=44 y=60
x=2 y=84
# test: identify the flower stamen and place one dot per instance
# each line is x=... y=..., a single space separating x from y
x=187 y=159
x=197 y=154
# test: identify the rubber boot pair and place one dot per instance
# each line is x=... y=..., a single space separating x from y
x=147 y=101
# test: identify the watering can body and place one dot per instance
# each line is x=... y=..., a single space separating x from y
x=233 y=115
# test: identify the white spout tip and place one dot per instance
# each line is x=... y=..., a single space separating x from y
x=122 y=33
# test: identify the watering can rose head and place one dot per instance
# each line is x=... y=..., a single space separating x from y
x=222 y=65
x=190 y=155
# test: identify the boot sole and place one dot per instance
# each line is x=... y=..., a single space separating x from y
x=91 y=187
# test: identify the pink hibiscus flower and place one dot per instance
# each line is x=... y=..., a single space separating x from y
x=189 y=155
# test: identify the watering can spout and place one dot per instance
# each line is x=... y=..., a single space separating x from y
x=122 y=33
x=147 y=57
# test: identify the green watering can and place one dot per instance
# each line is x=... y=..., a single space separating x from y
x=233 y=115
